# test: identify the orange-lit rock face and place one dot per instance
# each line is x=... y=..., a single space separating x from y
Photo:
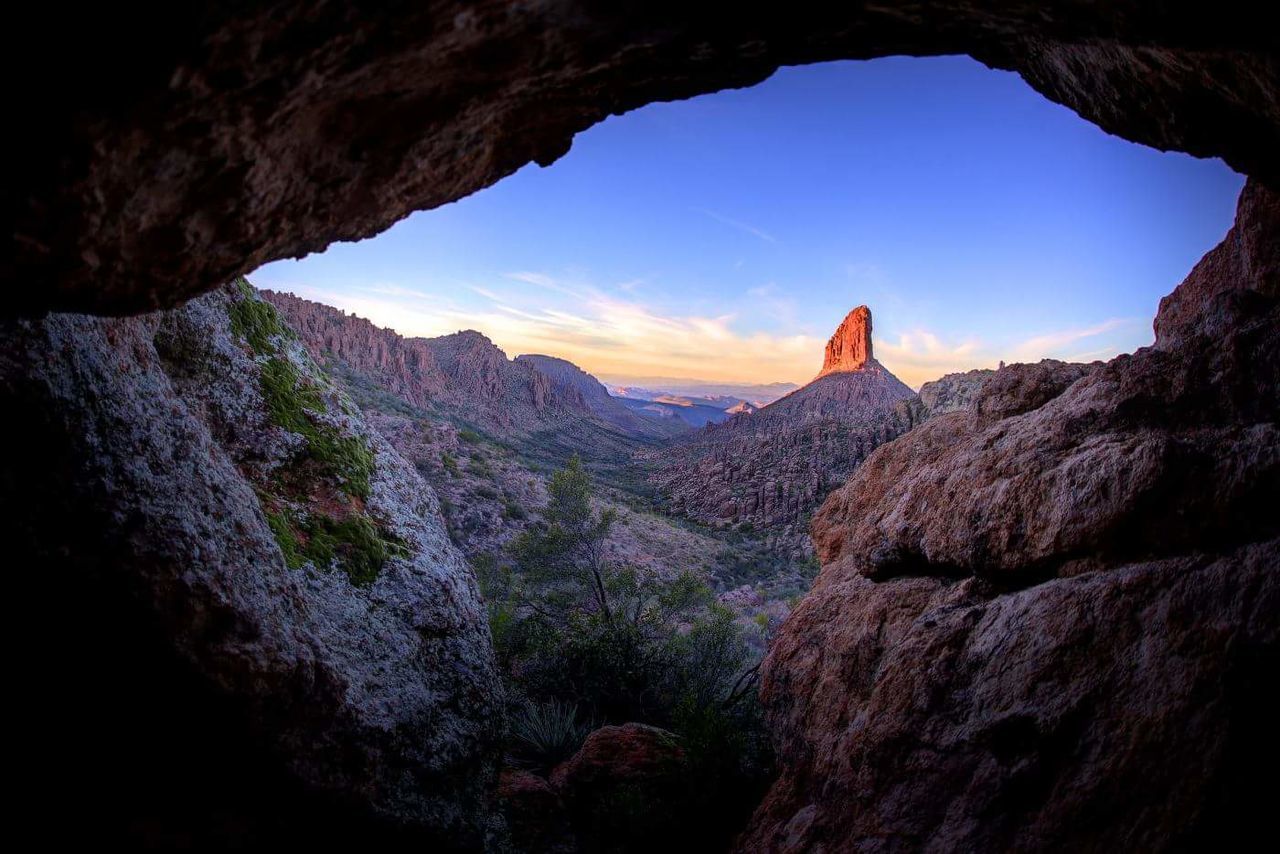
x=850 y=347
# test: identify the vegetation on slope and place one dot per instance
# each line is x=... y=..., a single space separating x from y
x=585 y=641
x=332 y=462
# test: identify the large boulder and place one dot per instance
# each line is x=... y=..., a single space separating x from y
x=253 y=625
x=1042 y=621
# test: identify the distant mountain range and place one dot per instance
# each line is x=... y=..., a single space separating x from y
x=720 y=395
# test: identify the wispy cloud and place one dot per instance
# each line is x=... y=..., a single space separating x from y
x=738 y=224
x=919 y=356
x=607 y=334
x=1059 y=341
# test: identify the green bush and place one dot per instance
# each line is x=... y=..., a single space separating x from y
x=579 y=636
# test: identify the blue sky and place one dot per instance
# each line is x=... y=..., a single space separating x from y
x=725 y=237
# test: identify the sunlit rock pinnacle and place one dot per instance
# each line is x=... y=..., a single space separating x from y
x=850 y=347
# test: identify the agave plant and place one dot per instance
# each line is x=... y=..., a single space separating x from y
x=546 y=734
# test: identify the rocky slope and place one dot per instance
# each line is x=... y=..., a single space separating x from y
x=771 y=468
x=284 y=643
x=1042 y=620
x=952 y=391
x=464 y=378
x=463 y=371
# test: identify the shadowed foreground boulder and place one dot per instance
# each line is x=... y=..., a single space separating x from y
x=252 y=626
x=1047 y=621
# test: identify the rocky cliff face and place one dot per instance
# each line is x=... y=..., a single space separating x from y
x=463 y=371
x=1037 y=614
x=772 y=467
x=849 y=349
x=952 y=392
x=268 y=633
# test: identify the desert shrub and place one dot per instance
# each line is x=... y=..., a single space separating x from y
x=470 y=436
x=544 y=734
x=450 y=464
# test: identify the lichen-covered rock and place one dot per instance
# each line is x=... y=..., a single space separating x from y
x=218 y=529
x=1108 y=700
x=171 y=164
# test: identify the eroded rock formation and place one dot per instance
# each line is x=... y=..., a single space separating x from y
x=772 y=467
x=1039 y=618
x=257 y=630
x=849 y=349
x=158 y=161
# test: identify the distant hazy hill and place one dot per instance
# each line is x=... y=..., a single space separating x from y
x=719 y=395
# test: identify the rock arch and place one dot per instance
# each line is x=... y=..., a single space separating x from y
x=153 y=158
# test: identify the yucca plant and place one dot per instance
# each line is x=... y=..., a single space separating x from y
x=546 y=734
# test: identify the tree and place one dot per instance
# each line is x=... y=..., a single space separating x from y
x=564 y=558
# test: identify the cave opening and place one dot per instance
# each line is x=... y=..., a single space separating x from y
x=185 y=563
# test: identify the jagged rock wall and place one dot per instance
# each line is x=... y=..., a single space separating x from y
x=155 y=162
x=255 y=628
x=1043 y=621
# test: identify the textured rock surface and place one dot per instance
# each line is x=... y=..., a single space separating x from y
x=849 y=349
x=771 y=468
x=462 y=371
x=952 y=391
x=624 y=788
x=218 y=138
x=536 y=818
x=247 y=685
x=1109 y=699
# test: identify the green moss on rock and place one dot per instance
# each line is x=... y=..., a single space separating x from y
x=256 y=320
x=354 y=544
x=295 y=403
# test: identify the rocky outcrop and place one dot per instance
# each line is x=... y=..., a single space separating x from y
x=267 y=633
x=952 y=391
x=265 y=133
x=1038 y=618
x=464 y=373
x=773 y=467
x=849 y=349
